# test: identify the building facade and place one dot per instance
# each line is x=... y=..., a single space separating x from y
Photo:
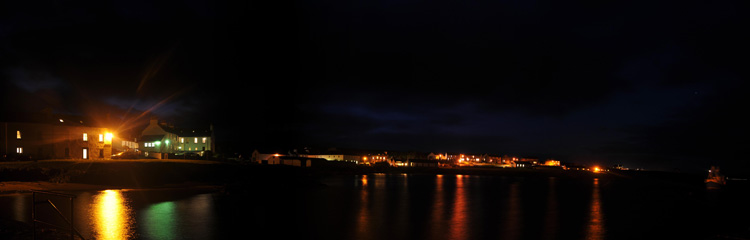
x=164 y=138
x=55 y=140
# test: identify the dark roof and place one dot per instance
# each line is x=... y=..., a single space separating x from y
x=151 y=138
x=48 y=118
x=301 y=158
x=185 y=132
x=425 y=161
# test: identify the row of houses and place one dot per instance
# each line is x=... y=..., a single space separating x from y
x=308 y=158
x=70 y=137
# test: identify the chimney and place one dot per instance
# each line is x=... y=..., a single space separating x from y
x=154 y=121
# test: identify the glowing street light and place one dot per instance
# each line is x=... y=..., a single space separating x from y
x=108 y=138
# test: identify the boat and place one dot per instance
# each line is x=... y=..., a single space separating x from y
x=715 y=179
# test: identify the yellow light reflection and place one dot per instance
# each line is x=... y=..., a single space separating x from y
x=595 y=230
x=111 y=216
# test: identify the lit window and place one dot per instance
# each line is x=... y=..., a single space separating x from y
x=204 y=140
x=101 y=137
x=182 y=140
x=85 y=137
x=18 y=134
x=19 y=150
x=196 y=140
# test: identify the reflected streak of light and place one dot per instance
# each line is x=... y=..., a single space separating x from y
x=160 y=220
x=551 y=217
x=19 y=204
x=513 y=226
x=595 y=230
x=364 y=211
x=438 y=209
x=112 y=216
x=458 y=226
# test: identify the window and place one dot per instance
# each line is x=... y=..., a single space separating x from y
x=18 y=134
x=19 y=150
x=85 y=137
x=85 y=153
x=101 y=137
x=196 y=140
x=182 y=140
x=204 y=140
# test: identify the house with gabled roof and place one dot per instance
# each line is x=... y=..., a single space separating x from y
x=165 y=138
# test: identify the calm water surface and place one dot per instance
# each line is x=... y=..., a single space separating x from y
x=380 y=206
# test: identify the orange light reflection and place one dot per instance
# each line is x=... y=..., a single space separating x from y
x=364 y=180
x=363 y=221
x=595 y=230
x=514 y=215
x=458 y=226
x=111 y=216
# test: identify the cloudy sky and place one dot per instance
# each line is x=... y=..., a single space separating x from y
x=654 y=84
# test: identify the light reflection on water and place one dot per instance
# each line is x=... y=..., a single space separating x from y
x=438 y=210
x=551 y=224
x=458 y=225
x=159 y=220
x=514 y=213
x=111 y=216
x=384 y=206
x=363 y=222
x=595 y=230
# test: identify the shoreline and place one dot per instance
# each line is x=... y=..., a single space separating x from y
x=18 y=187
x=55 y=175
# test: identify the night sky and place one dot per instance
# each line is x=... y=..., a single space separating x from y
x=649 y=84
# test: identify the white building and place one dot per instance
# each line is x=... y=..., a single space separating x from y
x=165 y=138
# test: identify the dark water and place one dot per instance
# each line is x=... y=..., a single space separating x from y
x=415 y=207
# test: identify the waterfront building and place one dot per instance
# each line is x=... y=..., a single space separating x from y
x=57 y=137
x=262 y=156
x=295 y=161
x=158 y=139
